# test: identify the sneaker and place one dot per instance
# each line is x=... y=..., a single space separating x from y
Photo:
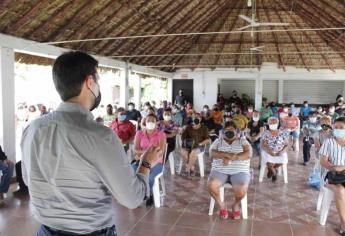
x=274 y=178
x=185 y=173
x=223 y=214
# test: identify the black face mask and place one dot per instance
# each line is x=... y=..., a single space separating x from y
x=215 y=109
x=290 y=114
x=97 y=99
x=229 y=134
x=326 y=127
x=196 y=121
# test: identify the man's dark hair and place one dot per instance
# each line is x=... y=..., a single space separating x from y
x=69 y=72
x=230 y=124
x=121 y=109
x=131 y=103
x=312 y=113
x=341 y=119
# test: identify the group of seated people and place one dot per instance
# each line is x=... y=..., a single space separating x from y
x=233 y=133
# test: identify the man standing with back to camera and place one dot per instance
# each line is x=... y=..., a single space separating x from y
x=74 y=166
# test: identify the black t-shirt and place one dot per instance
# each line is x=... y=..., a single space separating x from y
x=133 y=115
x=181 y=100
x=254 y=130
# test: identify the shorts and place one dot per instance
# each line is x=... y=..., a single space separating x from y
x=235 y=179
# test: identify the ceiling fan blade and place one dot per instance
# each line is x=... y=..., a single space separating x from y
x=244 y=27
x=246 y=18
x=272 y=24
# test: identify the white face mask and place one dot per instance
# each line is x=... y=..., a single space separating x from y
x=273 y=126
x=205 y=110
x=250 y=110
x=167 y=118
x=286 y=109
x=130 y=108
x=313 y=119
x=331 y=110
x=150 y=125
x=256 y=119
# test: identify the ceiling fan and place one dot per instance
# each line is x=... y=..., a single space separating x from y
x=253 y=23
x=257 y=49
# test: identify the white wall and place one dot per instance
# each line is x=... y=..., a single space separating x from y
x=205 y=80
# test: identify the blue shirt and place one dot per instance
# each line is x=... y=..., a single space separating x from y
x=305 y=111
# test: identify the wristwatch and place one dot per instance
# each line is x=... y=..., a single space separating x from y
x=146 y=165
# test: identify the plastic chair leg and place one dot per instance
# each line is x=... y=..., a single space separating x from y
x=172 y=163
x=326 y=204
x=201 y=164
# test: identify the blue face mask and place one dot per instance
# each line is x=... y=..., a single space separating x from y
x=122 y=118
x=339 y=133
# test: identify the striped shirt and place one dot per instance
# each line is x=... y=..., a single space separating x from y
x=334 y=151
x=233 y=167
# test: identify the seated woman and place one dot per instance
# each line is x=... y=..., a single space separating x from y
x=6 y=166
x=231 y=160
x=170 y=129
x=194 y=138
x=124 y=129
x=274 y=148
x=150 y=136
x=291 y=126
x=332 y=157
x=324 y=133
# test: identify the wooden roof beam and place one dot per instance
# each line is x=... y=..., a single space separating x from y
x=139 y=42
x=197 y=22
x=192 y=26
x=41 y=28
x=224 y=14
x=25 y=18
x=180 y=26
x=294 y=42
x=280 y=58
x=326 y=59
x=83 y=10
x=226 y=37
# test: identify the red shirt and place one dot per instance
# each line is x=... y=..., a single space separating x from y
x=125 y=130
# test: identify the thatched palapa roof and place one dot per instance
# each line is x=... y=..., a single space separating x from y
x=314 y=38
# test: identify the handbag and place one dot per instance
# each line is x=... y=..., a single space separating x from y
x=335 y=177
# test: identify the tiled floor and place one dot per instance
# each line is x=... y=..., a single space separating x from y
x=273 y=209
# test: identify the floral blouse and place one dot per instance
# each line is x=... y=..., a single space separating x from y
x=275 y=143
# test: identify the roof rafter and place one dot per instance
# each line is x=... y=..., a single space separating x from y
x=197 y=22
x=280 y=58
x=240 y=44
x=311 y=42
x=172 y=44
x=225 y=14
x=138 y=43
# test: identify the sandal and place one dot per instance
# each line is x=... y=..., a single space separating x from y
x=269 y=174
x=236 y=215
x=223 y=214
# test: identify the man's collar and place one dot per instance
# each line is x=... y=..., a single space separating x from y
x=74 y=107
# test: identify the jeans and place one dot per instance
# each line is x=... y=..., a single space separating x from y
x=45 y=231
x=7 y=172
x=256 y=146
x=156 y=170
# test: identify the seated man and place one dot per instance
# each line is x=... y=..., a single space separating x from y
x=291 y=126
x=254 y=132
x=124 y=129
x=231 y=161
x=194 y=138
x=6 y=166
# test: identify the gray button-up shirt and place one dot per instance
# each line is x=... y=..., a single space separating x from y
x=73 y=166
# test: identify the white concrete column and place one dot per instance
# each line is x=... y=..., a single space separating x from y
x=280 y=91
x=124 y=86
x=7 y=103
x=258 y=92
x=170 y=90
x=137 y=91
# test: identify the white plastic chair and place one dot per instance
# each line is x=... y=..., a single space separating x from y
x=283 y=168
x=244 y=202
x=327 y=199
x=201 y=163
x=159 y=180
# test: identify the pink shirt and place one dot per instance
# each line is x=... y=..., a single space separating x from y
x=145 y=142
